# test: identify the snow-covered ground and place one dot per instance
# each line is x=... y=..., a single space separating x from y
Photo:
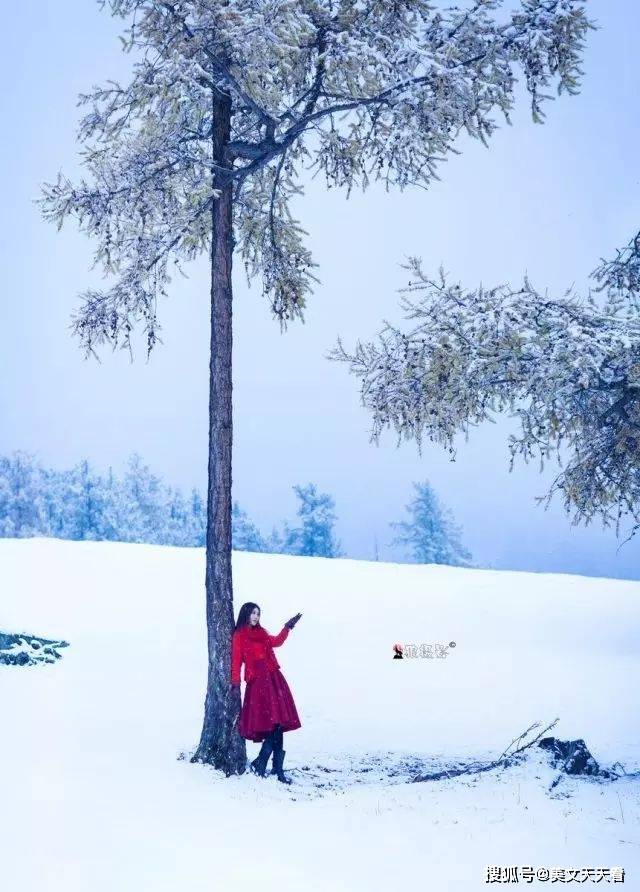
x=95 y=796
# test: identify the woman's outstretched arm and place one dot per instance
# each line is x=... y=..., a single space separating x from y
x=280 y=638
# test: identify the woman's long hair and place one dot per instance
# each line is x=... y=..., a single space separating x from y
x=245 y=612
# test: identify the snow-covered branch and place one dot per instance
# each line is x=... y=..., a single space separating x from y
x=357 y=89
x=567 y=368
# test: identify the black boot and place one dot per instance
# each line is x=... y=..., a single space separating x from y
x=277 y=746
x=278 y=759
x=259 y=764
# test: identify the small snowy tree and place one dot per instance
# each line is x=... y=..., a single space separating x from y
x=55 y=513
x=7 y=525
x=142 y=506
x=568 y=368
x=431 y=535
x=314 y=537
x=23 y=508
x=275 y=541
x=83 y=503
x=202 y=150
x=175 y=528
x=112 y=518
x=245 y=535
x=197 y=519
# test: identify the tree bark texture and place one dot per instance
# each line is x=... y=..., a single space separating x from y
x=220 y=743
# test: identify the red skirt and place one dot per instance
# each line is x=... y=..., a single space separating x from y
x=268 y=701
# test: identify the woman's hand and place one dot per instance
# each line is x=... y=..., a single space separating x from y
x=290 y=623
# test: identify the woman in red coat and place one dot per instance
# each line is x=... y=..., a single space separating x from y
x=268 y=708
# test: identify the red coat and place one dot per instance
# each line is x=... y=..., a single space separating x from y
x=251 y=643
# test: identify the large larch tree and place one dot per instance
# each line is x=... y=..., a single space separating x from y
x=201 y=152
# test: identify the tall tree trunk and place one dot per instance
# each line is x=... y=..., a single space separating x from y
x=220 y=744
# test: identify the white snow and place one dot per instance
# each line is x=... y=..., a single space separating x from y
x=94 y=796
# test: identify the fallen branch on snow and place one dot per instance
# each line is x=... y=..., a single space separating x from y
x=571 y=756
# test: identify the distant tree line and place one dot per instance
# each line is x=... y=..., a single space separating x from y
x=81 y=503
x=137 y=506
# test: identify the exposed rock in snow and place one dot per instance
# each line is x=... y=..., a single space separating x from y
x=25 y=650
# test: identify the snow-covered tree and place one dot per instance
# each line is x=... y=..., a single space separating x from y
x=203 y=149
x=314 y=537
x=23 y=509
x=175 y=523
x=567 y=368
x=245 y=534
x=275 y=541
x=113 y=515
x=83 y=503
x=142 y=504
x=197 y=519
x=431 y=534
x=56 y=515
x=7 y=527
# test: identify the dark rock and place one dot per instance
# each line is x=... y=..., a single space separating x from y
x=24 y=650
x=571 y=756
